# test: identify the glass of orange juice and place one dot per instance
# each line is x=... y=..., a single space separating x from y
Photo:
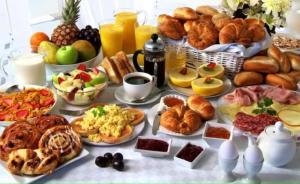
x=175 y=57
x=111 y=34
x=142 y=35
x=129 y=20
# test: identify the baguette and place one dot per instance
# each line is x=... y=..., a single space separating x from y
x=111 y=70
x=281 y=80
x=284 y=63
x=248 y=79
x=295 y=60
x=261 y=64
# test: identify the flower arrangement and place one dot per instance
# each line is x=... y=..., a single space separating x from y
x=272 y=12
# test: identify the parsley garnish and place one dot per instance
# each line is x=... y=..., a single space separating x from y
x=98 y=111
x=264 y=107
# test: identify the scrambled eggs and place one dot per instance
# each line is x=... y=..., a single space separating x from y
x=110 y=120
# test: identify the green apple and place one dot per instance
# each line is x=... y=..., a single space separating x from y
x=48 y=49
x=66 y=55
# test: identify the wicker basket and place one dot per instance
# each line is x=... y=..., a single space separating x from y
x=230 y=61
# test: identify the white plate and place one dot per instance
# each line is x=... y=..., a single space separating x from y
x=151 y=115
x=10 y=178
x=121 y=96
x=189 y=91
x=7 y=123
x=137 y=131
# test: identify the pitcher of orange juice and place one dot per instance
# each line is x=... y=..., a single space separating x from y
x=129 y=20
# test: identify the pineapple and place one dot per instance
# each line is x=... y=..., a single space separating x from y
x=67 y=32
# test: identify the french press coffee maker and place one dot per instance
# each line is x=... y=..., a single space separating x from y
x=154 y=59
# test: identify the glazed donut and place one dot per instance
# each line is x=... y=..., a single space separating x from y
x=202 y=36
x=63 y=139
x=181 y=120
x=45 y=122
x=185 y=13
x=171 y=28
x=17 y=136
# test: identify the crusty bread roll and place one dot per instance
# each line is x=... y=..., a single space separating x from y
x=206 y=10
x=185 y=13
x=284 y=63
x=274 y=52
x=281 y=80
x=248 y=78
x=261 y=64
x=295 y=75
x=295 y=60
x=202 y=106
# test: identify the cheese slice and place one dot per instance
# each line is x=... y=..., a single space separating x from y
x=290 y=117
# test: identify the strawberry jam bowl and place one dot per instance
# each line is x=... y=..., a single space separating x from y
x=80 y=86
x=29 y=102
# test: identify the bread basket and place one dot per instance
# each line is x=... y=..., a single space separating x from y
x=232 y=62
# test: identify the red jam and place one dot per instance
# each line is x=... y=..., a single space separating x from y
x=152 y=145
x=189 y=152
x=171 y=101
x=217 y=132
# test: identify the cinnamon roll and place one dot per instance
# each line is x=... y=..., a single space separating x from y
x=18 y=135
x=45 y=122
x=64 y=139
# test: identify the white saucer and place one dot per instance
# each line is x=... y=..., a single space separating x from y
x=121 y=96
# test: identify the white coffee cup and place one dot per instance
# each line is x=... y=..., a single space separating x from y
x=138 y=90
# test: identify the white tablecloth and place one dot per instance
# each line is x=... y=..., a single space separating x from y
x=141 y=169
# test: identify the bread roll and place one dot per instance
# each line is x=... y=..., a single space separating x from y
x=220 y=20
x=281 y=80
x=202 y=106
x=248 y=79
x=295 y=60
x=206 y=10
x=185 y=13
x=274 y=52
x=284 y=63
x=295 y=75
x=261 y=64
x=163 y=18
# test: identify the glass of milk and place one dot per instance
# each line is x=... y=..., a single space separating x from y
x=29 y=68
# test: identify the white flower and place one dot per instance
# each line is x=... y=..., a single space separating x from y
x=254 y=2
x=276 y=5
x=233 y=4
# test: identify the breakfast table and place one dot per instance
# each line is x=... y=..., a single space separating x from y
x=139 y=169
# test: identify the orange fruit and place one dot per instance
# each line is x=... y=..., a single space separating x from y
x=36 y=39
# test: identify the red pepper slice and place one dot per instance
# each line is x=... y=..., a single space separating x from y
x=48 y=102
x=81 y=67
x=44 y=92
x=2 y=117
x=22 y=113
x=8 y=101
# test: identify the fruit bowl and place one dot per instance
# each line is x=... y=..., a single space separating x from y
x=75 y=87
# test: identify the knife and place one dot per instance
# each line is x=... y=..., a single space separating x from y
x=156 y=123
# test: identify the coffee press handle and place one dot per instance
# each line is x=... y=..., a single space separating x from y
x=135 y=61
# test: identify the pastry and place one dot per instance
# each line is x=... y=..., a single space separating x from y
x=172 y=28
x=281 y=80
x=206 y=19
x=202 y=106
x=295 y=60
x=63 y=139
x=254 y=21
x=261 y=64
x=248 y=78
x=274 y=52
x=257 y=31
x=17 y=136
x=206 y=10
x=32 y=162
x=202 y=36
x=181 y=120
x=45 y=122
x=185 y=13
x=163 y=18
x=295 y=75
x=220 y=20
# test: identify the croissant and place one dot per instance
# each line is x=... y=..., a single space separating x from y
x=202 y=36
x=201 y=106
x=179 y=119
x=64 y=139
x=171 y=28
x=220 y=20
x=32 y=162
x=18 y=135
x=185 y=13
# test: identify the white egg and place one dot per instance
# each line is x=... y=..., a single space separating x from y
x=228 y=150
x=253 y=154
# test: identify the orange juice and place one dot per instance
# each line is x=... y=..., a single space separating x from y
x=129 y=22
x=111 y=39
x=142 y=35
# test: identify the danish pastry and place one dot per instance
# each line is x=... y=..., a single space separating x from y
x=202 y=36
x=32 y=162
x=179 y=119
x=18 y=135
x=45 y=122
x=63 y=139
x=185 y=13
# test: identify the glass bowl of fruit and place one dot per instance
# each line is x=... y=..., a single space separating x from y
x=80 y=86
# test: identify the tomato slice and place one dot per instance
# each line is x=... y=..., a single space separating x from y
x=22 y=113
x=81 y=67
x=47 y=102
x=60 y=80
x=44 y=92
x=2 y=117
x=15 y=107
x=8 y=101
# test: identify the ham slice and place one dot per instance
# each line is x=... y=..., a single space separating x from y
x=282 y=95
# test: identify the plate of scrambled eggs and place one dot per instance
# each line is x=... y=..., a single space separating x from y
x=110 y=124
